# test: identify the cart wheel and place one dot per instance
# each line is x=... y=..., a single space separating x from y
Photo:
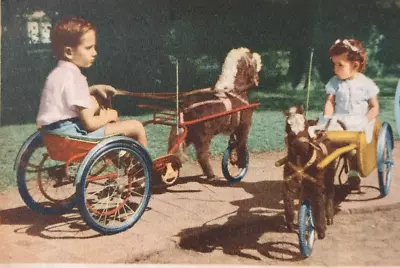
x=384 y=158
x=42 y=182
x=306 y=229
x=167 y=168
x=113 y=200
x=229 y=164
x=397 y=107
x=169 y=174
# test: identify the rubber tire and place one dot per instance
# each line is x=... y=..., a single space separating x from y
x=81 y=188
x=306 y=246
x=397 y=108
x=35 y=143
x=225 y=164
x=385 y=139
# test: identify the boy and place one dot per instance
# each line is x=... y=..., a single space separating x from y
x=66 y=104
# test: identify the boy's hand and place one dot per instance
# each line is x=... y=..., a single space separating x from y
x=102 y=90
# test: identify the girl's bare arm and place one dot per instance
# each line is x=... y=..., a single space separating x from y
x=329 y=107
x=373 y=108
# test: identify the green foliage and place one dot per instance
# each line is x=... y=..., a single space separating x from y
x=206 y=69
x=375 y=67
x=139 y=41
x=275 y=62
x=388 y=3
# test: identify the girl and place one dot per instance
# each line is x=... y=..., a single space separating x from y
x=351 y=97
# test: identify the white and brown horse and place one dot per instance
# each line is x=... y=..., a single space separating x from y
x=239 y=73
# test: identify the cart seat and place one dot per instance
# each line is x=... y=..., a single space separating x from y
x=355 y=142
x=65 y=148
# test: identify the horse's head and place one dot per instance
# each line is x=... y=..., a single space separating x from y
x=239 y=71
x=297 y=132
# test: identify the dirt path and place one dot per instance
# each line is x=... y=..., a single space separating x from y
x=217 y=221
x=355 y=240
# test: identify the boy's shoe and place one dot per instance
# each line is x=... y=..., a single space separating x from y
x=131 y=167
x=354 y=183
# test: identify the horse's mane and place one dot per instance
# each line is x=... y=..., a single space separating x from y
x=296 y=119
x=229 y=69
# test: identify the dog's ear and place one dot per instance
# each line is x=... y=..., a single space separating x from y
x=300 y=109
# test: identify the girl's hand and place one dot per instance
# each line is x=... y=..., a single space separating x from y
x=102 y=90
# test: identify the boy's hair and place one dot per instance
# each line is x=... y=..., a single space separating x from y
x=354 y=49
x=67 y=33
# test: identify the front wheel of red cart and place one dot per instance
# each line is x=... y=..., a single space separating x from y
x=113 y=200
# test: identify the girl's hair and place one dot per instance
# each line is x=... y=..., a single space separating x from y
x=354 y=49
x=67 y=33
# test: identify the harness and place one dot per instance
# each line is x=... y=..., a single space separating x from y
x=317 y=146
x=223 y=97
x=299 y=172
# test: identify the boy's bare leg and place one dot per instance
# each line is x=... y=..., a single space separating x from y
x=130 y=128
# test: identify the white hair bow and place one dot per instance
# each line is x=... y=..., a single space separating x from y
x=347 y=44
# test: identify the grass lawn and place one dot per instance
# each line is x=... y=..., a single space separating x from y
x=267 y=131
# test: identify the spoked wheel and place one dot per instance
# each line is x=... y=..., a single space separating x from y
x=45 y=185
x=384 y=158
x=232 y=172
x=114 y=199
x=306 y=229
x=397 y=107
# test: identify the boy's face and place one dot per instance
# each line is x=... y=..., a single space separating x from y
x=84 y=54
x=343 y=68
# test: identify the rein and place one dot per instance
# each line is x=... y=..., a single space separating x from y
x=172 y=96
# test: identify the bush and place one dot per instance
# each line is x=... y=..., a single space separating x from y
x=375 y=67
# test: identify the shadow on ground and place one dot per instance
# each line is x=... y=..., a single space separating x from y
x=260 y=214
x=255 y=216
x=67 y=226
x=237 y=239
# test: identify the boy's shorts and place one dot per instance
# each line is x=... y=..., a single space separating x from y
x=73 y=127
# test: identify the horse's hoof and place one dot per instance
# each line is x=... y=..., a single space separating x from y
x=329 y=221
x=321 y=235
x=210 y=177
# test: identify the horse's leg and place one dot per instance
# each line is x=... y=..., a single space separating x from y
x=203 y=154
x=290 y=192
x=242 y=134
x=320 y=212
x=330 y=193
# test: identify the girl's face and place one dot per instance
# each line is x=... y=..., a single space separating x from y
x=343 y=68
x=84 y=54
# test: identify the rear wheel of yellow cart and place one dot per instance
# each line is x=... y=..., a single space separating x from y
x=385 y=158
